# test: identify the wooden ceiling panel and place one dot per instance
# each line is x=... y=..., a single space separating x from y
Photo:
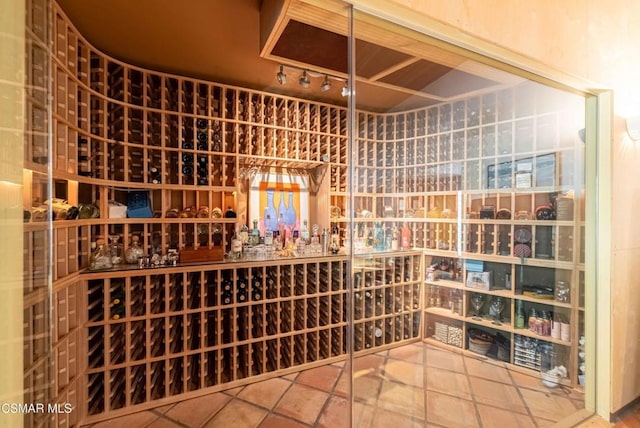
x=319 y=48
x=372 y=60
x=431 y=78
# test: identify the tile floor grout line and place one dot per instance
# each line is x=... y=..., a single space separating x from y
x=326 y=403
x=220 y=409
x=272 y=411
x=526 y=405
x=473 y=398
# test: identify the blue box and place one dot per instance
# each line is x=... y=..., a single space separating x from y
x=474 y=265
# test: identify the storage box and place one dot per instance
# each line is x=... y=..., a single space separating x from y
x=479 y=280
x=474 y=265
x=203 y=254
x=117 y=210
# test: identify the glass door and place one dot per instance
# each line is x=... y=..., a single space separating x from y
x=467 y=238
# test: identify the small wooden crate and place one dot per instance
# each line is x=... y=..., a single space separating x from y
x=195 y=255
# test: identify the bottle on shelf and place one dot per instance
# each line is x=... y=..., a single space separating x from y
x=236 y=245
x=230 y=213
x=134 y=252
x=282 y=228
x=325 y=241
x=378 y=237
x=270 y=215
x=268 y=231
x=117 y=309
x=405 y=237
x=304 y=233
x=154 y=174
x=394 y=238
x=244 y=233
x=315 y=247
x=290 y=213
x=116 y=250
x=254 y=239
x=520 y=315
x=282 y=207
x=100 y=257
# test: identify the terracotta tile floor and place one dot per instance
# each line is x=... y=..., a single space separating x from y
x=391 y=389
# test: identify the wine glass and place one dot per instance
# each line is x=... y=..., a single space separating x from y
x=496 y=307
x=477 y=301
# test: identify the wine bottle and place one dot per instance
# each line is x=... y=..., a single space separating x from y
x=236 y=245
x=405 y=237
x=255 y=234
x=244 y=233
x=304 y=233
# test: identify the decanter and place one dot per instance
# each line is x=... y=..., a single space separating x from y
x=116 y=250
x=134 y=252
x=101 y=257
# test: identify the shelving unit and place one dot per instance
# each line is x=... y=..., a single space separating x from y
x=125 y=339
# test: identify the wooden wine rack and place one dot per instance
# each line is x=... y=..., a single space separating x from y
x=184 y=330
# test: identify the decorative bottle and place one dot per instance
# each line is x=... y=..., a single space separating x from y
x=116 y=250
x=244 y=233
x=101 y=257
x=290 y=214
x=134 y=252
x=520 y=315
x=405 y=237
x=282 y=208
x=268 y=231
x=236 y=245
x=304 y=233
x=270 y=215
x=255 y=235
x=378 y=237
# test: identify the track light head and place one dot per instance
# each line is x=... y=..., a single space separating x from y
x=326 y=84
x=282 y=78
x=304 y=80
x=345 y=89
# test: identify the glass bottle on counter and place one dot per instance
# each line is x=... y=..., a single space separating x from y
x=236 y=245
x=282 y=207
x=315 y=247
x=101 y=257
x=378 y=237
x=244 y=233
x=134 y=252
x=116 y=250
x=304 y=233
x=405 y=237
x=282 y=228
x=268 y=231
x=255 y=235
x=520 y=315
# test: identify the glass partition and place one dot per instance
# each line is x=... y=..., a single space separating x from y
x=467 y=239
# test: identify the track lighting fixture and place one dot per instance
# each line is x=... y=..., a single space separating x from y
x=326 y=84
x=304 y=80
x=345 y=89
x=282 y=78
